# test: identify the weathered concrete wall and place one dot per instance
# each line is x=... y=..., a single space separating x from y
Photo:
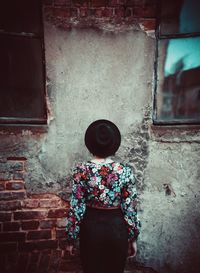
x=170 y=204
x=107 y=72
x=91 y=74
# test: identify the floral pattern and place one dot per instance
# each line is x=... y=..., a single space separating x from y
x=103 y=185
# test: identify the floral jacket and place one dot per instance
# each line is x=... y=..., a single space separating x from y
x=105 y=186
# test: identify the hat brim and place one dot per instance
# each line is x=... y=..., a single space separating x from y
x=99 y=150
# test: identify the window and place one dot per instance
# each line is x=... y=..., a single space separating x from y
x=177 y=70
x=22 y=70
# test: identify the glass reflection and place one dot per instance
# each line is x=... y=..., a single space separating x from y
x=180 y=16
x=179 y=96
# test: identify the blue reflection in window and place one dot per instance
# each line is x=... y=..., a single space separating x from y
x=182 y=54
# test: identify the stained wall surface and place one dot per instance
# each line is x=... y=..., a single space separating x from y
x=95 y=73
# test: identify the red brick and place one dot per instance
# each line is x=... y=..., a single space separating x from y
x=99 y=3
x=18 y=195
x=150 y=3
x=148 y=24
x=11 y=195
x=60 y=233
x=2 y=186
x=84 y=12
x=5 y=216
x=10 y=205
x=39 y=234
x=107 y=12
x=62 y=12
x=14 y=185
x=149 y=12
x=134 y=3
x=29 y=225
x=74 y=12
x=57 y=213
x=29 y=215
x=119 y=12
x=44 y=196
x=12 y=236
x=138 y=12
x=115 y=3
x=99 y=13
x=61 y=223
x=45 y=224
x=11 y=226
x=62 y=2
x=5 y=195
x=38 y=245
x=53 y=203
x=83 y=3
x=31 y=203
x=8 y=247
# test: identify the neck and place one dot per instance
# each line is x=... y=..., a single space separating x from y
x=101 y=159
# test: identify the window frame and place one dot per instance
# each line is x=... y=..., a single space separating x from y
x=159 y=36
x=12 y=120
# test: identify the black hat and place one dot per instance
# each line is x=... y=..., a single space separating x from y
x=102 y=138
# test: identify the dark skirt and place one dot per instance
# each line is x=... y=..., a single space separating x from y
x=103 y=241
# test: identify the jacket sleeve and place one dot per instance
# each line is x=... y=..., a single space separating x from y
x=77 y=205
x=129 y=204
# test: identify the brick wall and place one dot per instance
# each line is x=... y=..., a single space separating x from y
x=32 y=227
x=97 y=13
x=32 y=237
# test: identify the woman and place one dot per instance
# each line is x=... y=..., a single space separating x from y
x=103 y=204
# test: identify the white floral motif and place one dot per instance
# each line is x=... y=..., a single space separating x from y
x=101 y=187
x=102 y=196
x=116 y=188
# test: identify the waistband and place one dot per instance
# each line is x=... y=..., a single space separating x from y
x=103 y=208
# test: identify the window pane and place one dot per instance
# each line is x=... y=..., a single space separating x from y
x=180 y=16
x=21 y=16
x=178 y=90
x=22 y=78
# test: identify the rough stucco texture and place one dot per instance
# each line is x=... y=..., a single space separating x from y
x=91 y=74
x=94 y=74
x=170 y=203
